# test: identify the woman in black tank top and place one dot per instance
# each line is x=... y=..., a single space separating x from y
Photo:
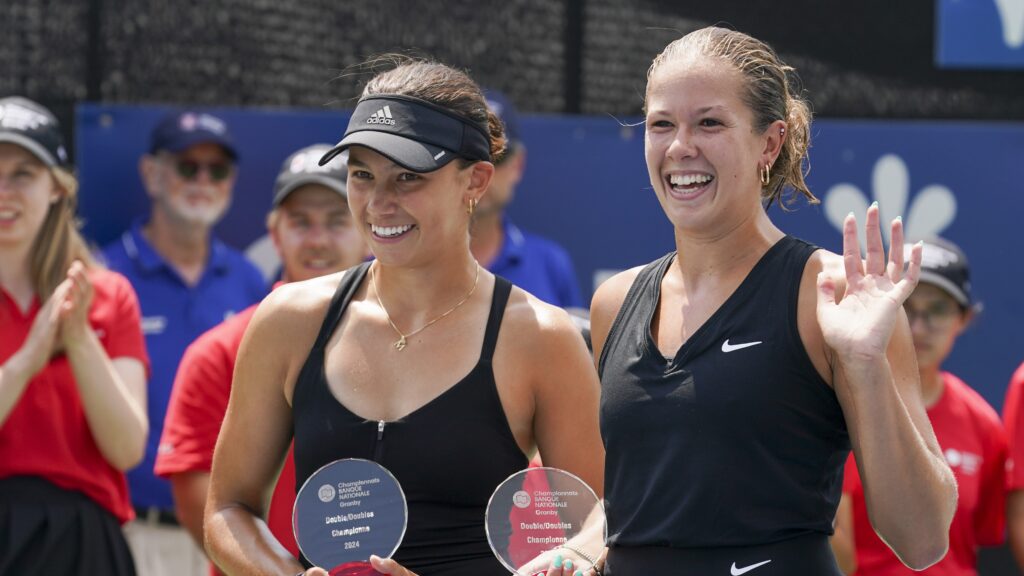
x=421 y=361
x=738 y=371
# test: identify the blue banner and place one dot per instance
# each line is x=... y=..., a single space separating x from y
x=979 y=33
x=586 y=187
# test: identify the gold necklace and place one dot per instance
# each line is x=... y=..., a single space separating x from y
x=401 y=343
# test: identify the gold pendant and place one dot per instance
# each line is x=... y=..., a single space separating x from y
x=400 y=344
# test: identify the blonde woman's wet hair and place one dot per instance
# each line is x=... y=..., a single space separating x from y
x=771 y=90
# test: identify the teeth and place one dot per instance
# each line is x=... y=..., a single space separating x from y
x=7 y=214
x=390 y=231
x=689 y=179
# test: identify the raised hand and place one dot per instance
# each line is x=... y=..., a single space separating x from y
x=860 y=324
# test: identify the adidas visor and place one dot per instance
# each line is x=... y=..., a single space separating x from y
x=413 y=133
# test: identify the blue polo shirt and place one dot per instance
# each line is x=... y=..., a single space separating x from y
x=537 y=265
x=173 y=315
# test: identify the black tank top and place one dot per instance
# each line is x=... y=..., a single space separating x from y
x=448 y=455
x=735 y=441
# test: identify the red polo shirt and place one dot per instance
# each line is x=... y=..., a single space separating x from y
x=974 y=443
x=199 y=401
x=1013 y=418
x=47 y=434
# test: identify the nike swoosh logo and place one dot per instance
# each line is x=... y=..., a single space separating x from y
x=738 y=571
x=726 y=347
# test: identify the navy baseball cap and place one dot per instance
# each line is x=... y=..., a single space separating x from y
x=944 y=264
x=303 y=167
x=503 y=108
x=413 y=133
x=33 y=127
x=180 y=130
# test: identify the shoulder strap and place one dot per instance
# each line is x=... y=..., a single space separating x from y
x=348 y=285
x=502 y=289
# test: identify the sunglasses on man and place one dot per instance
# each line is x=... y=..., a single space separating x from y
x=190 y=169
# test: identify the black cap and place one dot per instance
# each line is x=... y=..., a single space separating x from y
x=413 y=133
x=180 y=130
x=33 y=127
x=303 y=167
x=944 y=264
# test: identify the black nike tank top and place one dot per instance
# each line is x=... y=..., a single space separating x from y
x=736 y=441
x=449 y=455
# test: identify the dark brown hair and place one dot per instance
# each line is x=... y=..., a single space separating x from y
x=441 y=85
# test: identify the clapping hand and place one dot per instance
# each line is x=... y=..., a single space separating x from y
x=74 y=309
x=41 y=343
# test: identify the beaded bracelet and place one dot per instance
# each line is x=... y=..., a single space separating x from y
x=586 y=557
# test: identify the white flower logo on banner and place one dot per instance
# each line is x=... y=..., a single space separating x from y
x=932 y=210
x=1011 y=14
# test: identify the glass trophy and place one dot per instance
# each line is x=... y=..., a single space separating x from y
x=346 y=511
x=539 y=510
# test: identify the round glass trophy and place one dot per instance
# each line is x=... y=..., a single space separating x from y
x=538 y=510
x=346 y=511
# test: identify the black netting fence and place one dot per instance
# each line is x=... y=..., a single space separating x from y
x=872 y=58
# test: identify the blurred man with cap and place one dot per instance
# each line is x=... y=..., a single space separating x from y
x=535 y=264
x=967 y=428
x=313 y=234
x=187 y=282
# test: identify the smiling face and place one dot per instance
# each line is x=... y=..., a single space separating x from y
x=192 y=187
x=702 y=150
x=314 y=233
x=405 y=215
x=27 y=190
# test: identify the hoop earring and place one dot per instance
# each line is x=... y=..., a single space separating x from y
x=765 y=174
x=472 y=206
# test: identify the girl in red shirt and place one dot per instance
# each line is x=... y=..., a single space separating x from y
x=72 y=368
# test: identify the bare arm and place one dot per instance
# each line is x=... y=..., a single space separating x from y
x=552 y=361
x=909 y=490
x=843 y=541
x=189 y=490
x=566 y=392
x=1015 y=524
x=253 y=442
x=113 y=392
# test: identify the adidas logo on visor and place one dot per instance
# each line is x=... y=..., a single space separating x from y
x=382 y=116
